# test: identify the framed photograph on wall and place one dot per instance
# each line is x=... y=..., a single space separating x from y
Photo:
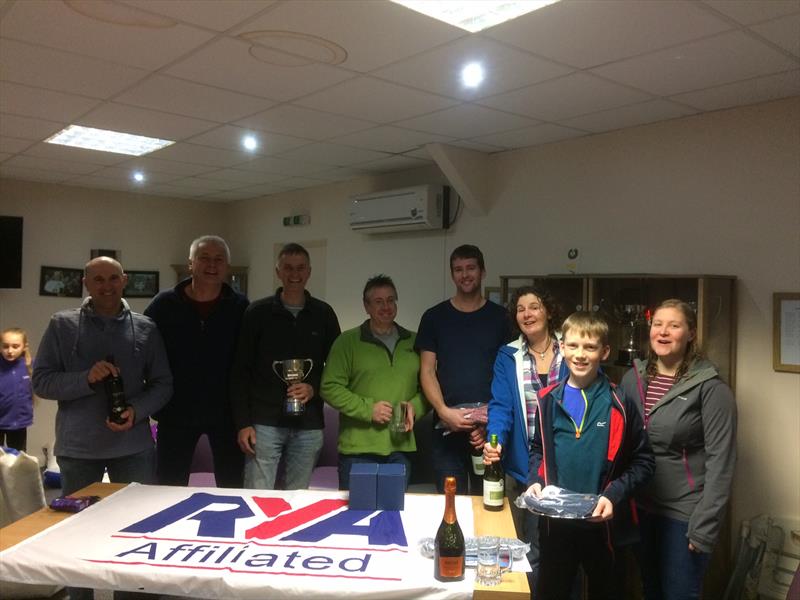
x=95 y=252
x=492 y=294
x=786 y=332
x=62 y=282
x=141 y=284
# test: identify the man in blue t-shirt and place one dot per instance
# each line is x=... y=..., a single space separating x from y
x=458 y=341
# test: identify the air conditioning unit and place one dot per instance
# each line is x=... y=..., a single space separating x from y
x=406 y=209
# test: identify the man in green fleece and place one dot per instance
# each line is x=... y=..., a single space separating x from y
x=371 y=372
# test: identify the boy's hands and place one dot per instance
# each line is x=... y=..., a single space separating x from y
x=535 y=490
x=603 y=511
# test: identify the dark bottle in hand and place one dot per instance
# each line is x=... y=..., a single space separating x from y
x=450 y=551
x=115 y=394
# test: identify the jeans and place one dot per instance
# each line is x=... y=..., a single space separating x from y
x=670 y=571
x=299 y=448
x=450 y=455
x=348 y=460
x=563 y=547
x=77 y=473
x=175 y=451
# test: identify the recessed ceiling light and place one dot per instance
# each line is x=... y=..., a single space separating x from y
x=250 y=142
x=474 y=15
x=472 y=75
x=107 y=141
x=138 y=176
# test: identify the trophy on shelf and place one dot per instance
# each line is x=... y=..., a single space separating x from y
x=632 y=317
x=292 y=370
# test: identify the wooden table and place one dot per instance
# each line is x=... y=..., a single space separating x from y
x=513 y=587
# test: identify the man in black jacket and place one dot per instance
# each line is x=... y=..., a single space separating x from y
x=199 y=320
x=289 y=325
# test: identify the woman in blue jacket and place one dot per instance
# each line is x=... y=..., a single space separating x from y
x=522 y=368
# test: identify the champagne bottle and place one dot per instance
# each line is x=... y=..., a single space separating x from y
x=493 y=482
x=115 y=394
x=448 y=561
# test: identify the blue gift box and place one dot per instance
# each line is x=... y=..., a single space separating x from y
x=391 y=487
x=363 y=486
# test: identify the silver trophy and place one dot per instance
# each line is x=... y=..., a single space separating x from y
x=292 y=371
x=632 y=318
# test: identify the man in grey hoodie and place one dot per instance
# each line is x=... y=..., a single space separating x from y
x=80 y=349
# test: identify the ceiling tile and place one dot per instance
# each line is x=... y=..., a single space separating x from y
x=28 y=128
x=59 y=152
x=394 y=163
x=339 y=174
x=566 y=97
x=754 y=11
x=303 y=122
x=218 y=16
x=201 y=155
x=389 y=139
x=65 y=72
x=151 y=43
x=243 y=177
x=473 y=145
x=629 y=116
x=108 y=183
x=157 y=165
x=283 y=166
x=228 y=196
x=722 y=59
x=142 y=121
x=230 y=137
x=181 y=97
x=296 y=183
x=13 y=145
x=531 y=136
x=760 y=89
x=606 y=31
x=205 y=184
x=783 y=32
x=376 y=100
x=49 y=164
x=8 y=171
x=4 y=156
x=467 y=121
x=125 y=175
x=439 y=70
x=264 y=189
x=371 y=33
x=166 y=189
x=230 y=64
x=332 y=155
x=36 y=102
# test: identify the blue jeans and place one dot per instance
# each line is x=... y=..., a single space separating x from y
x=348 y=460
x=299 y=449
x=77 y=473
x=670 y=571
x=450 y=455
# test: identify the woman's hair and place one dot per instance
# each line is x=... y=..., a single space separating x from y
x=693 y=351
x=27 y=351
x=547 y=300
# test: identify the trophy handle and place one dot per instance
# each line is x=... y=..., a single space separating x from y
x=274 y=370
x=310 y=365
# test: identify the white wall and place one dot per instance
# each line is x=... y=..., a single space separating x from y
x=718 y=193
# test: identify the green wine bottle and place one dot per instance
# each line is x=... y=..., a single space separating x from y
x=493 y=482
x=448 y=560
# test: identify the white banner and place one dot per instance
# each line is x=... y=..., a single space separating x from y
x=218 y=543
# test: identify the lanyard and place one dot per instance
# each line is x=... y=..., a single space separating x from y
x=579 y=428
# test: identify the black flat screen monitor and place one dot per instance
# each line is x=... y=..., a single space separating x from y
x=10 y=252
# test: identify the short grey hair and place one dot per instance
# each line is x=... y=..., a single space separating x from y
x=206 y=239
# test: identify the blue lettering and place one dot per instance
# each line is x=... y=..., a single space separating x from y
x=148 y=549
x=384 y=529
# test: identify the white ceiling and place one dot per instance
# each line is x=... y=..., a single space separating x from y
x=336 y=89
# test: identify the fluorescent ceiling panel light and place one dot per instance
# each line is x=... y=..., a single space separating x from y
x=107 y=141
x=474 y=15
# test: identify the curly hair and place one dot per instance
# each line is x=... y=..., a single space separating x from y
x=547 y=300
x=693 y=351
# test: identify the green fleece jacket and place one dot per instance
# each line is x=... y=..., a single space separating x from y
x=361 y=371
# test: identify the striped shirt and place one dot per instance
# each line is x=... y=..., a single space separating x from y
x=532 y=382
x=658 y=386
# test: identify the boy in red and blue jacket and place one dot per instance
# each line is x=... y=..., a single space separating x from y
x=589 y=439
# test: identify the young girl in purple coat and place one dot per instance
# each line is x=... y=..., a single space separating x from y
x=16 y=398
